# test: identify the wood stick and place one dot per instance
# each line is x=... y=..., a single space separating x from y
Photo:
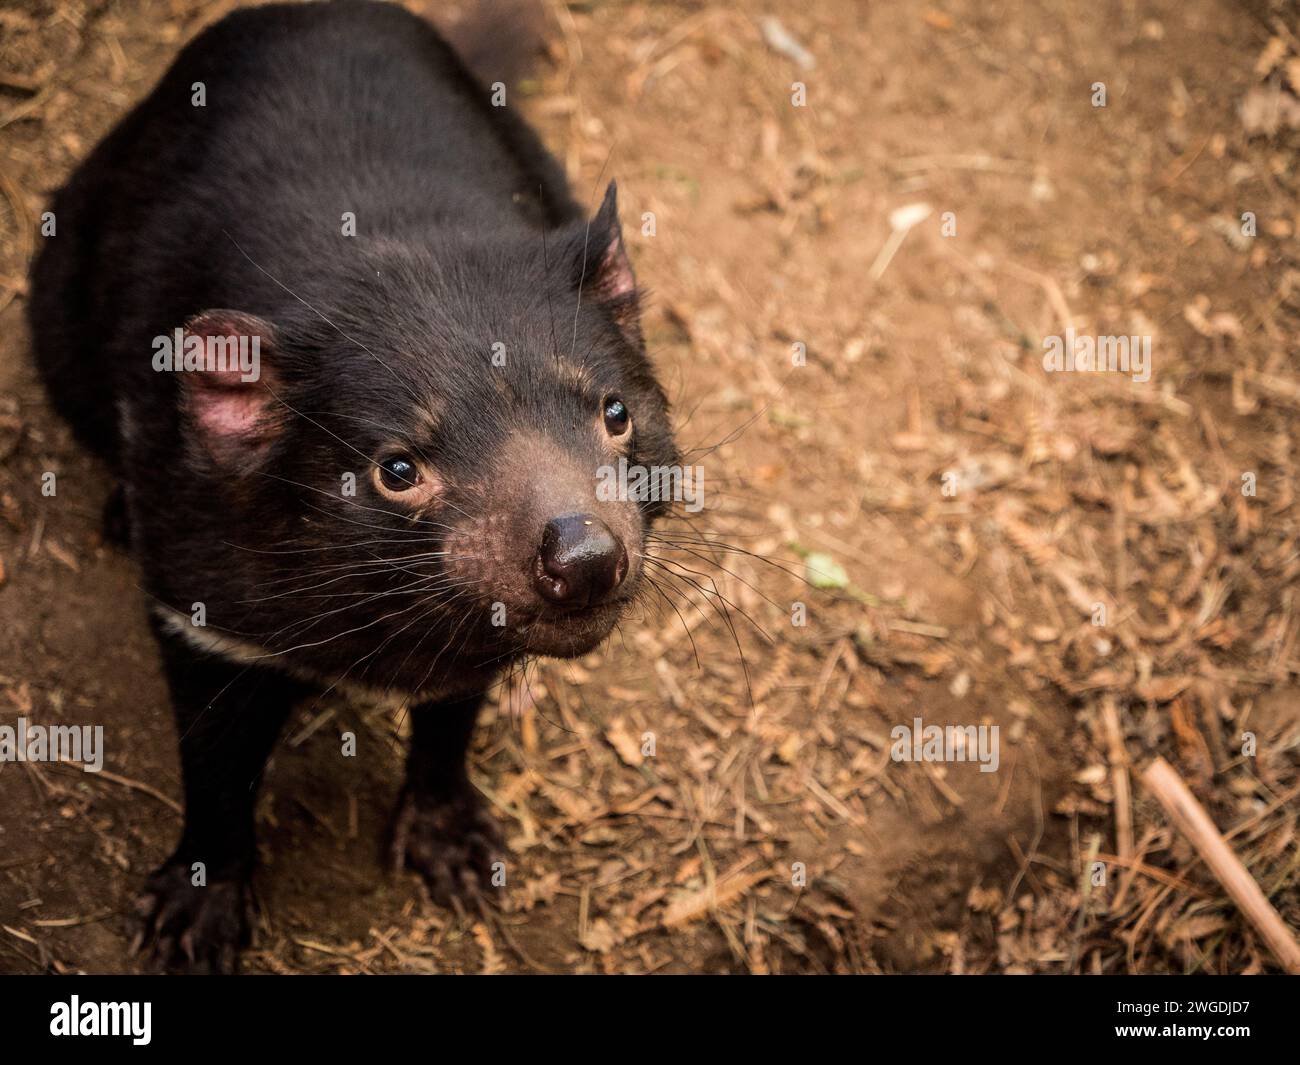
x=1119 y=780
x=1163 y=781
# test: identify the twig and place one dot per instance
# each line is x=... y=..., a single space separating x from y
x=1163 y=781
x=1119 y=779
x=134 y=785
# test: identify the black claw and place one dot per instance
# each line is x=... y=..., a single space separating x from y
x=186 y=928
x=451 y=844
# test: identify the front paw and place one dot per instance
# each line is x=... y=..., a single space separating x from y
x=452 y=843
x=187 y=928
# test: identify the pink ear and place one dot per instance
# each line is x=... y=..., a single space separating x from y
x=608 y=276
x=228 y=383
x=614 y=279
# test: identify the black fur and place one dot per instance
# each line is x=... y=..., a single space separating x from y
x=467 y=237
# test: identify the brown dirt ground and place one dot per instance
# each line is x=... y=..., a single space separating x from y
x=968 y=608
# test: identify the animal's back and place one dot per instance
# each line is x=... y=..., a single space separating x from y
x=269 y=128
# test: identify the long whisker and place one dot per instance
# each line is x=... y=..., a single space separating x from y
x=654 y=584
x=724 y=606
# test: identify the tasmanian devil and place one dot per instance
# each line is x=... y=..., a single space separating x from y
x=399 y=494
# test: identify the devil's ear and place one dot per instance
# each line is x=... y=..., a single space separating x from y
x=602 y=270
x=229 y=385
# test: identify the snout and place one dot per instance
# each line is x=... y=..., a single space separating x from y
x=580 y=563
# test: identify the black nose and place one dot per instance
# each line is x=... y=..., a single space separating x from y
x=580 y=561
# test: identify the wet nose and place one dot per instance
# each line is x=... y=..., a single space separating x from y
x=580 y=562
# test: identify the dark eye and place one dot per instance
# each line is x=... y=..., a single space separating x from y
x=617 y=418
x=398 y=474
